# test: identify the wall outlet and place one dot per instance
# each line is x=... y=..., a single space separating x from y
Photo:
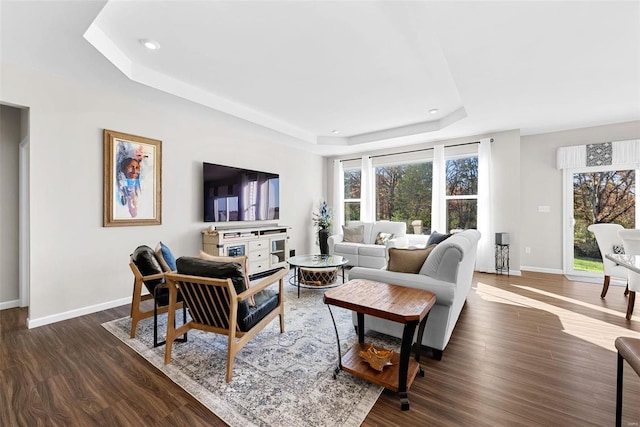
x=527 y=249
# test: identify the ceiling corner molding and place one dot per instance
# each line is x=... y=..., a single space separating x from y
x=333 y=140
x=144 y=75
x=103 y=44
x=414 y=129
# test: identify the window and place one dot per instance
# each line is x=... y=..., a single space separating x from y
x=462 y=193
x=352 y=180
x=600 y=196
x=403 y=193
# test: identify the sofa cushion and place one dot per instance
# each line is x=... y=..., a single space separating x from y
x=367 y=229
x=408 y=260
x=353 y=234
x=436 y=238
x=382 y=238
x=372 y=250
x=398 y=229
x=445 y=267
x=346 y=248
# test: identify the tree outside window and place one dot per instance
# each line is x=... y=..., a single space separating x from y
x=607 y=197
x=403 y=193
x=352 y=197
x=462 y=193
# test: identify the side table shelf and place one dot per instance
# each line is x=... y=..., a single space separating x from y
x=388 y=378
x=502 y=259
x=404 y=305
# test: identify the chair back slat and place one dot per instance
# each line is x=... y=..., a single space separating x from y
x=208 y=304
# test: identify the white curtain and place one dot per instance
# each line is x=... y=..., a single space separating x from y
x=485 y=258
x=338 y=196
x=438 y=203
x=367 y=196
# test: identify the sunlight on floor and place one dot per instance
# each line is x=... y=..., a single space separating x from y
x=592 y=330
x=573 y=301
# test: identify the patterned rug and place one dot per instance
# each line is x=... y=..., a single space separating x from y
x=278 y=379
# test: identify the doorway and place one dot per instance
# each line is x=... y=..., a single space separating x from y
x=593 y=196
x=14 y=194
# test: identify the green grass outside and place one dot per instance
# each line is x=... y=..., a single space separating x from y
x=588 y=264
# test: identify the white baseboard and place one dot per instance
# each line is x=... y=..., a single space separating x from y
x=511 y=272
x=46 y=320
x=9 y=304
x=541 y=270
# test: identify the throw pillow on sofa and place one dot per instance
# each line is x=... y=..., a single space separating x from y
x=436 y=238
x=353 y=234
x=383 y=238
x=403 y=260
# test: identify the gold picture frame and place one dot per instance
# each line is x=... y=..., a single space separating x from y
x=132 y=180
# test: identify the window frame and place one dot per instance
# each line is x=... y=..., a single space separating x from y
x=459 y=197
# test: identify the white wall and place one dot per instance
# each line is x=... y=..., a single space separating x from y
x=77 y=265
x=9 y=143
x=541 y=185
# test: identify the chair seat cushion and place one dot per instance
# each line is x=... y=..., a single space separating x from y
x=266 y=301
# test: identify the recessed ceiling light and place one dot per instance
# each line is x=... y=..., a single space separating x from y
x=434 y=111
x=150 y=44
x=335 y=131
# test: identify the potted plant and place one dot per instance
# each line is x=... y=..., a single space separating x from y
x=322 y=220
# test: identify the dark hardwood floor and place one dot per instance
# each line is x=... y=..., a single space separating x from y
x=530 y=350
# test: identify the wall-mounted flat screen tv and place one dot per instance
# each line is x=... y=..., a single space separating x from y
x=235 y=194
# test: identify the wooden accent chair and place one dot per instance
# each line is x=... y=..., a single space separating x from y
x=631 y=240
x=147 y=271
x=607 y=237
x=217 y=297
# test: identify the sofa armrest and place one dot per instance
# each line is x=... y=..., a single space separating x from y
x=332 y=240
x=444 y=291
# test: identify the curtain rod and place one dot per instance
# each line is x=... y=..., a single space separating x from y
x=416 y=151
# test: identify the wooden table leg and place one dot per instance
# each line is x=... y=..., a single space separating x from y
x=418 y=348
x=405 y=354
x=360 y=327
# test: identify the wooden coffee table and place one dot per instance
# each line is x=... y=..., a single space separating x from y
x=397 y=303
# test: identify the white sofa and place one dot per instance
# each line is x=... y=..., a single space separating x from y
x=367 y=254
x=448 y=273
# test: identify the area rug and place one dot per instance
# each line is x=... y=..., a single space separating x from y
x=278 y=379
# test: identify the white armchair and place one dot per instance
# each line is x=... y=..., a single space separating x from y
x=631 y=240
x=607 y=237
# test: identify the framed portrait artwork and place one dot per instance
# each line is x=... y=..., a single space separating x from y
x=132 y=180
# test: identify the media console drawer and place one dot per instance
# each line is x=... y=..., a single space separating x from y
x=266 y=248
